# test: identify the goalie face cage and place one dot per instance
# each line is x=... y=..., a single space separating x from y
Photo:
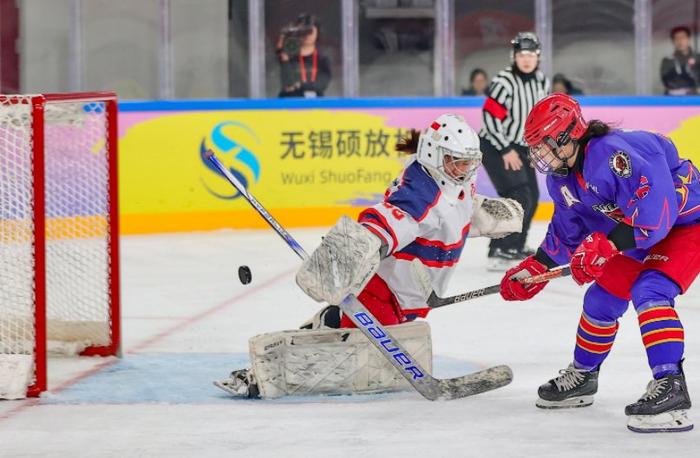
x=59 y=251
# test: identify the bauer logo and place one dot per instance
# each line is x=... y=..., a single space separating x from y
x=231 y=141
x=387 y=343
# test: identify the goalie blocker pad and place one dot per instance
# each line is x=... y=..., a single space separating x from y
x=343 y=264
x=333 y=361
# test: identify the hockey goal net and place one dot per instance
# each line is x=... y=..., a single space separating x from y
x=59 y=273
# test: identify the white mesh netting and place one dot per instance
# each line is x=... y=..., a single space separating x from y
x=16 y=229
x=77 y=226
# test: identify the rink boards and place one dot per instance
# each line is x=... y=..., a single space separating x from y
x=309 y=161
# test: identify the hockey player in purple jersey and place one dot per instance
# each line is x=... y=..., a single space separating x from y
x=626 y=214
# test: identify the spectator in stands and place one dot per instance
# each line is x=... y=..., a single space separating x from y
x=562 y=84
x=680 y=73
x=304 y=71
x=478 y=83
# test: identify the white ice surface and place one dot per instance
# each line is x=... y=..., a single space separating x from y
x=184 y=310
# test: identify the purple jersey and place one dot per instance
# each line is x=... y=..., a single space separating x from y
x=634 y=177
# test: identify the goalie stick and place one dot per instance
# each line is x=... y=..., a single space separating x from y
x=430 y=387
x=435 y=301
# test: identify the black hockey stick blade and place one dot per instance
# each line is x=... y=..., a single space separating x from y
x=475 y=383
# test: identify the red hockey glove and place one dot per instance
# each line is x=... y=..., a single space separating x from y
x=590 y=257
x=513 y=290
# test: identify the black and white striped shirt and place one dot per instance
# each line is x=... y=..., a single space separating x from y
x=509 y=100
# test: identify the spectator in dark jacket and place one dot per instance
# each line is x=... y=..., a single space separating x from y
x=562 y=84
x=478 y=83
x=681 y=72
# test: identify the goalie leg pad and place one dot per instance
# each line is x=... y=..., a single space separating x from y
x=343 y=264
x=333 y=361
x=496 y=217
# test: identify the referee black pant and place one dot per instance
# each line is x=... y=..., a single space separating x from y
x=520 y=185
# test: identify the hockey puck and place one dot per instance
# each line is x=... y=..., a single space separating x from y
x=245 y=275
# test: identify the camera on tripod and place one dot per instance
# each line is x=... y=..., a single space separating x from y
x=293 y=34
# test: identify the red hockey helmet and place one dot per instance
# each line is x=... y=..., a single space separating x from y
x=552 y=123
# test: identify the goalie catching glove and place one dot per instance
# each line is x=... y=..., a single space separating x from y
x=495 y=217
x=343 y=264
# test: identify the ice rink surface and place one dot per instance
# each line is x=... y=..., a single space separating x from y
x=187 y=320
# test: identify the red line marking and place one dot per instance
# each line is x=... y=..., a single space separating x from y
x=207 y=313
x=31 y=402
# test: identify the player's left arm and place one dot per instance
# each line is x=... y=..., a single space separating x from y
x=645 y=193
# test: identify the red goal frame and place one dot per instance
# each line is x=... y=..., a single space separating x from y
x=38 y=103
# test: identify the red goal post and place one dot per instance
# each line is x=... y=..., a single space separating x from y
x=59 y=232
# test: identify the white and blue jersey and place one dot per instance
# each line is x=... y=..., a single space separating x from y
x=419 y=220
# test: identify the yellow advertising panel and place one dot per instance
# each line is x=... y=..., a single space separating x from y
x=304 y=164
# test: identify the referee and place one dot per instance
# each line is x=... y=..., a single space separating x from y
x=509 y=99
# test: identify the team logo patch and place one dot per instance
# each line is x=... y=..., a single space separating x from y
x=620 y=164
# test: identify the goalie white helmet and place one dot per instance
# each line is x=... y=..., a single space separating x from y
x=449 y=149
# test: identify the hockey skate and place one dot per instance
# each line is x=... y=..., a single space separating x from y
x=573 y=388
x=241 y=384
x=501 y=260
x=663 y=408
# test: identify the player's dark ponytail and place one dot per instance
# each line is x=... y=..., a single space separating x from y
x=409 y=143
x=596 y=128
